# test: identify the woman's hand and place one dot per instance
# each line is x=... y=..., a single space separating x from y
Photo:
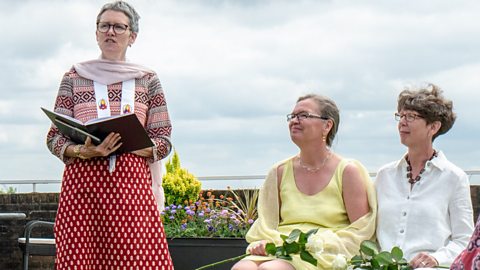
x=109 y=145
x=258 y=249
x=423 y=260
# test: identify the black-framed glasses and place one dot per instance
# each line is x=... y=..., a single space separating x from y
x=409 y=117
x=304 y=115
x=118 y=28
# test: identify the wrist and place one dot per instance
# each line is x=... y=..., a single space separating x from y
x=77 y=151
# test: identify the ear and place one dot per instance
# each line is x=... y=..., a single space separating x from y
x=435 y=127
x=328 y=126
x=133 y=37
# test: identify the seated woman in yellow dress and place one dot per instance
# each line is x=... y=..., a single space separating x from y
x=316 y=189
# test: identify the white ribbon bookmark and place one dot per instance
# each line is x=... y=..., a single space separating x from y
x=127 y=105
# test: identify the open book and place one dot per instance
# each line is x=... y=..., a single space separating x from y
x=133 y=135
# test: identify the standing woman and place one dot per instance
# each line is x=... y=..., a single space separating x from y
x=107 y=216
x=424 y=204
x=316 y=189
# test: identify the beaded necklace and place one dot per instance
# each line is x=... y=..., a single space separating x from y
x=419 y=176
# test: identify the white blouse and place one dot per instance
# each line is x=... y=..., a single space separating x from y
x=435 y=216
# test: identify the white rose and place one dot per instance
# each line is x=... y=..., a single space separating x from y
x=340 y=262
x=315 y=245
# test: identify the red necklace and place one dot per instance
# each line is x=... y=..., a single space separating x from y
x=419 y=176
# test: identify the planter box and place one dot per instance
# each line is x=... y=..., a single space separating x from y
x=191 y=253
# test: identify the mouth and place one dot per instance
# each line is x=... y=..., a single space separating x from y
x=109 y=40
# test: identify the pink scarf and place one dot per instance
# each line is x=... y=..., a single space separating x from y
x=109 y=72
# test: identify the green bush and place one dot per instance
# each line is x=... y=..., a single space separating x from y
x=180 y=186
x=10 y=190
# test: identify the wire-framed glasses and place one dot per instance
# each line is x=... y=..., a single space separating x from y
x=304 y=115
x=409 y=117
x=118 y=28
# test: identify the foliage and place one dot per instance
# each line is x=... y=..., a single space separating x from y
x=295 y=243
x=209 y=217
x=371 y=258
x=178 y=184
x=9 y=190
x=243 y=206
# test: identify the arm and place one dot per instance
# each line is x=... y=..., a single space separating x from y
x=158 y=123
x=57 y=143
x=347 y=240
x=354 y=193
x=461 y=221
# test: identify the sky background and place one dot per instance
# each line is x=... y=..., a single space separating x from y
x=232 y=70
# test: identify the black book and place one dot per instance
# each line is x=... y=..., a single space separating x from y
x=133 y=135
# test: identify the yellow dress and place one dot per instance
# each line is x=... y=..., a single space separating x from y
x=324 y=210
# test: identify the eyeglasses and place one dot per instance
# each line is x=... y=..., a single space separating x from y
x=410 y=117
x=118 y=28
x=303 y=116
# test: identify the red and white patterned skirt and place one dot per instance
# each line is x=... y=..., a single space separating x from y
x=109 y=221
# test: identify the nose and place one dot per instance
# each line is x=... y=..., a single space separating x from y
x=110 y=30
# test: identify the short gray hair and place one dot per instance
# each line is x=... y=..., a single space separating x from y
x=124 y=7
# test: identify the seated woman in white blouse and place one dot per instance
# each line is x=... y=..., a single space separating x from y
x=424 y=204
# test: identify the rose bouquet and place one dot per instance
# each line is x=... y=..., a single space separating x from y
x=310 y=247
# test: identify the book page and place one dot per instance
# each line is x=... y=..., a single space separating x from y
x=102 y=119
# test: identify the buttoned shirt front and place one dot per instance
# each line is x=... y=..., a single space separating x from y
x=434 y=216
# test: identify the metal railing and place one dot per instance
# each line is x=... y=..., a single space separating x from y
x=472 y=174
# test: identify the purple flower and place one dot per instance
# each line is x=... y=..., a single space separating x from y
x=250 y=221
x=201 y=214
x=208 y=221
x=173 y=206
x=184 y=226
x=173 y=212
x=190 y=212
x=171 y=217
x=167 y=208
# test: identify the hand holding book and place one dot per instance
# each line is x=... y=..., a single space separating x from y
x=132 y=134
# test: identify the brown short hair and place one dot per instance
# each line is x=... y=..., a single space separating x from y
x=429 y=102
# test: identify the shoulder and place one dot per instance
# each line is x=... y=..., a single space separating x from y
x=352 y=172
x=446 y=165
x=389 y=168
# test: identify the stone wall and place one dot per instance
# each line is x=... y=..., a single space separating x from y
x=36 y=206
x=43 y=206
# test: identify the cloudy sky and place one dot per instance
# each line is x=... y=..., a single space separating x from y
x=232 y=70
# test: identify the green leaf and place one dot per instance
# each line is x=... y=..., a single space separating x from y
x=292 y=248
x=356 y=260
x=285 y=257
x=293 y=236
x=368 y=247
x=312 y=231
x=302 y=238
x=306 y=256
x=270 y=249
x=384 y=258
x=375 y=264
x=397 y=253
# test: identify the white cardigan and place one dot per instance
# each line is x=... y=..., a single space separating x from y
x=435 y=216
